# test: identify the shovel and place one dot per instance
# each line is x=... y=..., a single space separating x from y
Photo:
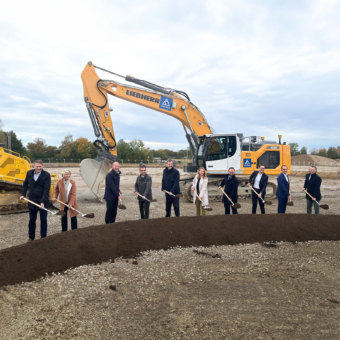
x=290 y=203
x=91 y=215
x=147 y=199
x=205 y=207
x=263 y=201
x=236 y=205
x=60 y=213
x=323 y=206
x=121 y=206
x=171 y=194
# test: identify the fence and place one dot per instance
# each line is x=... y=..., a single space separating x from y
x=336 y=164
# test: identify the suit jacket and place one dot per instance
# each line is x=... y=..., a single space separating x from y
x=112 y=190
x=70 y=196
x=203 y=190
x=282 y=190
x=38 y=191
x=313 y=186
x=230 y=188
x=263 y=181
x=143 y=186
x=170 y=181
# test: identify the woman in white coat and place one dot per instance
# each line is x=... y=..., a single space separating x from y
x=200 y=185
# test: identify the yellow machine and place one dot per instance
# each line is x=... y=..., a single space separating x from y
x=215 y=152
x=13 y=169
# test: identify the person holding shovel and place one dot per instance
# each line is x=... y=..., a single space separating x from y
x=143 y=187
x=283 y=190
x=66 y=191
x=112 y=193
x=170 y=185
x=312 y=186
x=258 y=180
x=38 y=183
x=200 y=185
x=231 y=186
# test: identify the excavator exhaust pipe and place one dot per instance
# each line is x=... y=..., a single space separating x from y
x=93 y=172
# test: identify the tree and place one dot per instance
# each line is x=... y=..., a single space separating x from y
x=2 y=135
x=303 y=150
x=37 y=148
x=66 y=146
x=17 y=145
x=123 y=149
x=314 y=151
x=322 y=152
x=338 y=152
x=294 y=149
x=83 y=148
x=331 y=152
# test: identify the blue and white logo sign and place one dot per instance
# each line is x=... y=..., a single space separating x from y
x=166 y=103
x=247 y=162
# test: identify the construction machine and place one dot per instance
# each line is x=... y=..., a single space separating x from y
x=13 y=170
x=215 y=152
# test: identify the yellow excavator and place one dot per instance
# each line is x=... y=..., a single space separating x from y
x=215 y=152
x=13 y=169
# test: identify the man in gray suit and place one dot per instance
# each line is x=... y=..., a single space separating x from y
x=143 y=187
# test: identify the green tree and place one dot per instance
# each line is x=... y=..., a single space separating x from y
x=2 y=135
x=322 y=152
x=83 y=148
x=294 y=149
x=37 y=149
x=66 y=147
x=123 y=149
x=314 y=151
x=331 y=152
x=338 y=152
x=304 y=150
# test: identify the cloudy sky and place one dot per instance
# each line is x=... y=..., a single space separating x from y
x=259 y=68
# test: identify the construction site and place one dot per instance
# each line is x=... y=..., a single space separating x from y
x=213 y=277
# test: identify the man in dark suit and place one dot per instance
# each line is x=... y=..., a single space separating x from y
x=112 y=193
x=38 y=184
x=143 y=187
x=258 y=180
x=283 y=190
x=312 y=185
x=170 y=182
x=230 y=184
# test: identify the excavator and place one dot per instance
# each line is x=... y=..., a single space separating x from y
x=215 y=152
x=13 y=169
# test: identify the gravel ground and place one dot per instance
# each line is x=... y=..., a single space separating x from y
x=242 y=292
x=229 y=292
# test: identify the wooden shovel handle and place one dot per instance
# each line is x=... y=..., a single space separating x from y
x=65 y=204
x=225 y=193
x=255 y=192
x=308 y=193
x=39 y=206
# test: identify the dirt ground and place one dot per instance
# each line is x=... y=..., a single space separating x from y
x=248 y=291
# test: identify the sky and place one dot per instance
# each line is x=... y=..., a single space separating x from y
x=259 y=68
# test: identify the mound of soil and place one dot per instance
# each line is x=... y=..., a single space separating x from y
x=313 y=160
x=95 y=244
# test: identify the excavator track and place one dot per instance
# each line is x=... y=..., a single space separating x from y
x=215 y=195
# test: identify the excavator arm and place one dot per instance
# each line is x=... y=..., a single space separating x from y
x=174 y=103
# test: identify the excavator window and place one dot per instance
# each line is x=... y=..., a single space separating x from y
x=221 y=147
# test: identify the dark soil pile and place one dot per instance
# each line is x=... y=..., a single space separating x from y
x=95 y=244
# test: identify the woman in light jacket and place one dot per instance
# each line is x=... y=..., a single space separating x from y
x=200 y=185
x=66 y=190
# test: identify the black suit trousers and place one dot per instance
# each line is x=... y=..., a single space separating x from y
x=111 y=211
x=144 y=209
x=74 y=224
x=256 y=199
x=227 y=206
x=169 y=201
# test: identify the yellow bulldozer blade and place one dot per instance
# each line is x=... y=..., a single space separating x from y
x=93 y=172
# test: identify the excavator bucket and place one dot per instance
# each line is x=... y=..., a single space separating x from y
x=93 y=172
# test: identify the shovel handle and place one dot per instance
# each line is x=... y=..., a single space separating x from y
x=143 y=197
x=232 y=203
x=66 y=205
x=169 y=193
x=311 y=196
x=26 y=199
x=256 y=193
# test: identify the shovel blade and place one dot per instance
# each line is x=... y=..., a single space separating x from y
x=179 y=195
x=324 y=206
x=207 y=208
x=290 y=204
x=90 y=215
x=60 y=213
x=121 y=206
x=268 y=202
x=237 y=205
x=153 y=200
x=93 y=172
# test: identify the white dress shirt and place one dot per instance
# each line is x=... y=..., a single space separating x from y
x=36 y=176
x=257 y=181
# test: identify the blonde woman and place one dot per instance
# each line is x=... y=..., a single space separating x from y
x=66 y=190
x=200 y=185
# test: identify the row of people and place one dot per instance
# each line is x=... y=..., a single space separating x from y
x=38 y=183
